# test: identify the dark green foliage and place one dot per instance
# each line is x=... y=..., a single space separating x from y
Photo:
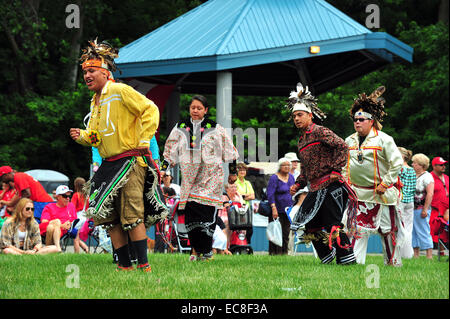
x=39 y=101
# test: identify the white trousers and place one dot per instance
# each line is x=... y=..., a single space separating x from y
x=407 y=213
x=385 y=219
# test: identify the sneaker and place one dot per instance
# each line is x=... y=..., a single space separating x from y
x=121 y=268
x=144 y=268
x=206 y=257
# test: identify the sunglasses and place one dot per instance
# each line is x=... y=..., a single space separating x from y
x=359 y=120
x=29 y=208
x=65 y=196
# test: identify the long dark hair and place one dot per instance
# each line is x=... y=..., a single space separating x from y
x=78 y=184
x=201 y=99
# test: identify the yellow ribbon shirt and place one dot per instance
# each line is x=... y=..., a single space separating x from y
x=125 y=119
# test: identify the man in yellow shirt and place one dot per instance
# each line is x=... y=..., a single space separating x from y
x=125 y=196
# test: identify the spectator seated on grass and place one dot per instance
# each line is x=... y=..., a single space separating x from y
x=20 y=233
x=57 y=218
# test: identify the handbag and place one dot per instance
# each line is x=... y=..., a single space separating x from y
x=264 y=208
x=240 y=217
x=274 y=232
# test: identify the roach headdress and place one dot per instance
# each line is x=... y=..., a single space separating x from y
x=372 y=105
x=303 y=100
x=100 y=55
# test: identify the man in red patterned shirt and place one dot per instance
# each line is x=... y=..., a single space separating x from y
x=322 y=155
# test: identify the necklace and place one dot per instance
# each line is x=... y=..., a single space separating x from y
x=359 y=156
x=93 y=134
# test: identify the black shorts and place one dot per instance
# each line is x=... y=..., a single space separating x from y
x=329 y=210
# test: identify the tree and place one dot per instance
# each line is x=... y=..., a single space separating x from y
x=23 y=27
x=42 y=93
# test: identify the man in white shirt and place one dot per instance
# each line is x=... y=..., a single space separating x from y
x=373 y=165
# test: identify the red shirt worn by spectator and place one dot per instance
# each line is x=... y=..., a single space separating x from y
x=52 y=211
x=440 y=200
x=440 y=196
x=23 y=181
x=79 y=200
x=7 y=194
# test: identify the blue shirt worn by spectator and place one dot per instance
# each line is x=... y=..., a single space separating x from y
x=278 y=192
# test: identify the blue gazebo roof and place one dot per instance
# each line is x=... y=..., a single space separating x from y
x=241 y=34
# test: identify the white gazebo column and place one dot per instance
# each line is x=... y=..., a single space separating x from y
x=223 y=96
x=223 y=106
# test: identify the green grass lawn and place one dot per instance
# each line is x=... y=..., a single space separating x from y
x=226 y=277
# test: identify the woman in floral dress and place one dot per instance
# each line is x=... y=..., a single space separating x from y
x=200 y=146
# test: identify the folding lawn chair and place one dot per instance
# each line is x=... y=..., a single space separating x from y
x=71 y=233
x=181 y=232
x=440 y=229
x=38 y=208
x=94 y=236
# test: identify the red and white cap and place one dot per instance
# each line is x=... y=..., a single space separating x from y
x=5 y=170
x=62 y=189
x=438 y=161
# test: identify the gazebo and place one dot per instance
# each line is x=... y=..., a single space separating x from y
x=256 y=47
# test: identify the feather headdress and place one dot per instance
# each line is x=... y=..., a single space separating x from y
x=303 y=100
x=372 y=104
x=101 y=51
